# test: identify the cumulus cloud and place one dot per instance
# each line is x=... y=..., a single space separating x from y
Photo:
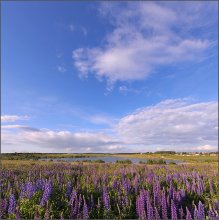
x=173 y=123
x=61 y=141
x=13 y=118
x=145 y=35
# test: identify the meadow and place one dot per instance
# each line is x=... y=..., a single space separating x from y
x=58 y=190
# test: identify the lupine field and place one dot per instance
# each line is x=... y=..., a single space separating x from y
x=108 y=191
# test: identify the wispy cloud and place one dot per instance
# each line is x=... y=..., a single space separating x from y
x=71 y=27
x=101 y=119
x=21 y=127
x=84 y=30
x=146 y=35
x=13 y=118
x=61 y=69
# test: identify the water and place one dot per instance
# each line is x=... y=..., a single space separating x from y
x=107 y=159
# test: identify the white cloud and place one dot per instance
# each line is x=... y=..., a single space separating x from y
x=145 y=36
x=13 y=118
x=174 y=124
x=62 y=141
x=171 y=123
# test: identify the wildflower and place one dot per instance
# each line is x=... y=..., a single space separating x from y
x=188 y=214
x=181 y=214
x=164 y=206
x=85 y=210
x=196 y=214
x=201 y=211
x=173 y=210
x=12 y=204
x=150 y=211
x=68 y=190
x=157 y=216
x=140 y=209
x=3 y=207
x=106 y=200
x=46 y=194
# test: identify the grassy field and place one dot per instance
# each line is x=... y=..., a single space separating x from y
x=206 y=158
x=190 y=158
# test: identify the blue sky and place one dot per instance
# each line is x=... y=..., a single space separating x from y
x=109 y=76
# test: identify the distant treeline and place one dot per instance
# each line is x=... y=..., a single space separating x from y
x=36 y=156
x=165 y=152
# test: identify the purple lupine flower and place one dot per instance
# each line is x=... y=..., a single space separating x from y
x=74 y=208
x=200 y=188
x=178 y=198
x=188 y=214
x=12 y=204
x=23 y=191
x=106 y=200
x=150 y=211
x=39 y=184
x=171 y=189
x=3 y=207
x=31 y=189
x=188 y=187
x=164 y=206
x=181 y=213
x=155 y=194
x=85 y=211
x=104 y=179
x=136 y=184
x=216 y=205
x=140 y=207
x=211 y=214
x=173 y=210
x=196 y=214
x=201 y=211
x=115 y=184
x=68 y=190
x=72 y=197
x=46 y=194
x=194 y=186
x=157 y=215
x=79 y=206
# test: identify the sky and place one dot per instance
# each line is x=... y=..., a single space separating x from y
x=109 y=76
